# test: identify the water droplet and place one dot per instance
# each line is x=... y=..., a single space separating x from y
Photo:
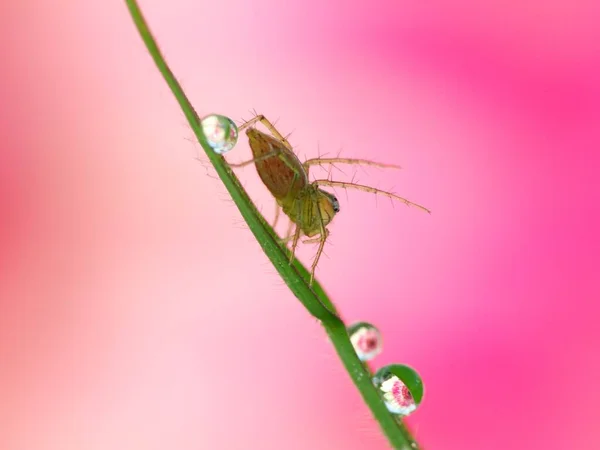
x=401 y=388
x=221 y=132
x=366 y=340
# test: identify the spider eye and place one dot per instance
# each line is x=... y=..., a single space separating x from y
x=336 y=205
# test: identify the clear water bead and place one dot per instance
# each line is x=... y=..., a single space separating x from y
x=396 y=394
x=220 y=131
x=366 y=340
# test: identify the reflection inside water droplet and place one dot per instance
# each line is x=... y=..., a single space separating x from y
x=396 y=395
x=366 y=340
x=221 y=132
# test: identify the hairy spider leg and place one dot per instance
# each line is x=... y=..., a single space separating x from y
x=370 y=189
x=355 y=161
x=269 y=126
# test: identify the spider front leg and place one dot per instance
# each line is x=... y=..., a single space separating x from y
x=354 y=161
x=370 y=189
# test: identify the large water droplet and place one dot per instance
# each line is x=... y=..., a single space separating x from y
x=366 y=340
x=221 y=132
x=401 y=388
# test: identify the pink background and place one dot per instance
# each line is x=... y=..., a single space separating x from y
x=138 y=312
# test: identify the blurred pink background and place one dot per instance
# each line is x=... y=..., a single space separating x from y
x=138 y=312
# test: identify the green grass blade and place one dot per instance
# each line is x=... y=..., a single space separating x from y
x=296 y=276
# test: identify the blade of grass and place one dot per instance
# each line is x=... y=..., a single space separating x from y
x=296 y=276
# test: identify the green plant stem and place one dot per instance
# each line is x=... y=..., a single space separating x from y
x=295 y=275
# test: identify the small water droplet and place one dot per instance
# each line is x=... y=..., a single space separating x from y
x=401 y=388
x=366 y=340
x=221 y=132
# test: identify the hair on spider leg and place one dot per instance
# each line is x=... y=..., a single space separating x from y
x=353 y=180
x=319 y=154
x=276 y=121
x=391 y=191
x=329 y=170
x=239 y=122
x=325 y=253
x=242 y=121
x=329 y=175
x=252 y=113
x=334 y=166
x=346 y=193
x=337 y=156
x=255 y=112
x=286 y=137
